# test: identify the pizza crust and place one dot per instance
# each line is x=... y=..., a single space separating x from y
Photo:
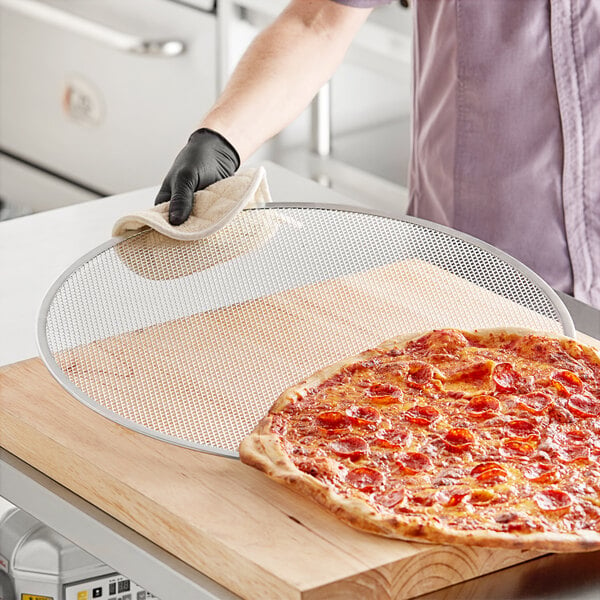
x=262 y=449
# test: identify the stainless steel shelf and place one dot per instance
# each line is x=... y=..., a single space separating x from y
x=103 y=536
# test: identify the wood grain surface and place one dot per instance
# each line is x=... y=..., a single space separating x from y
x=225 y=519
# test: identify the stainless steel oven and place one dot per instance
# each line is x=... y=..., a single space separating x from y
x=97 y=96
x=36 y=563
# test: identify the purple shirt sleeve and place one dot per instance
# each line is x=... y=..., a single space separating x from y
x=363 y=3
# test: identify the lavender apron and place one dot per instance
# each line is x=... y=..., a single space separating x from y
x=506 y=129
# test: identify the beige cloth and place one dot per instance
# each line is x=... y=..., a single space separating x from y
x=214 y=207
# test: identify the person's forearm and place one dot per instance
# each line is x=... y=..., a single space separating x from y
x=282 y=70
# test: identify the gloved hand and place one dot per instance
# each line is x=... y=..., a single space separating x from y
x=206 y=158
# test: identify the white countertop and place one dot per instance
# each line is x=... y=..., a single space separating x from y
x=36 y=249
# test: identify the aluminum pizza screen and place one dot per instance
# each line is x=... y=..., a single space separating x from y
x=192 y=342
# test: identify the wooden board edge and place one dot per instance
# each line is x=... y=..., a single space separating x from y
x=425 y=575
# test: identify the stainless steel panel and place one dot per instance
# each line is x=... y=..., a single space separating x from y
x=104 y=91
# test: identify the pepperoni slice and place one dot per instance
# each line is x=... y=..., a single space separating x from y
x=489 y=473
x=394 y=438
x=333 y=419
x=413 y=462
x=566 y=382
x=506 y=378
x=552 y=500
x=517 y=446
x=535 y=402
x=481 y=467
x=459 y=439
x=390 y=498
x=351 y=446
x=493 y=475
x=582 y=405
x=365 y=479
x=541 y=473
x=384 y=389
x=422 y=415
x=483 y=403
x=521 y=428
x=420 y=374
x=483 y=407
x=385 y=399
x=364 y=416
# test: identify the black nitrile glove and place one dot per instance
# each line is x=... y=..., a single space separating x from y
x=206 y=158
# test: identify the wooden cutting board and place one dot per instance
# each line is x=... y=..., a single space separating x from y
x=227 y=520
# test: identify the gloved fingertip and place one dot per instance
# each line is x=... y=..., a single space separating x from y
x=178 y=214
x=176 y=219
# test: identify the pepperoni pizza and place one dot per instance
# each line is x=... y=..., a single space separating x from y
x=489 y=438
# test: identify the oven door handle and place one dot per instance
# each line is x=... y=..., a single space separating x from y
x=116 y=40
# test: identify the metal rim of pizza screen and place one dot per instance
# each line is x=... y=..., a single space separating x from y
x=192 y=342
